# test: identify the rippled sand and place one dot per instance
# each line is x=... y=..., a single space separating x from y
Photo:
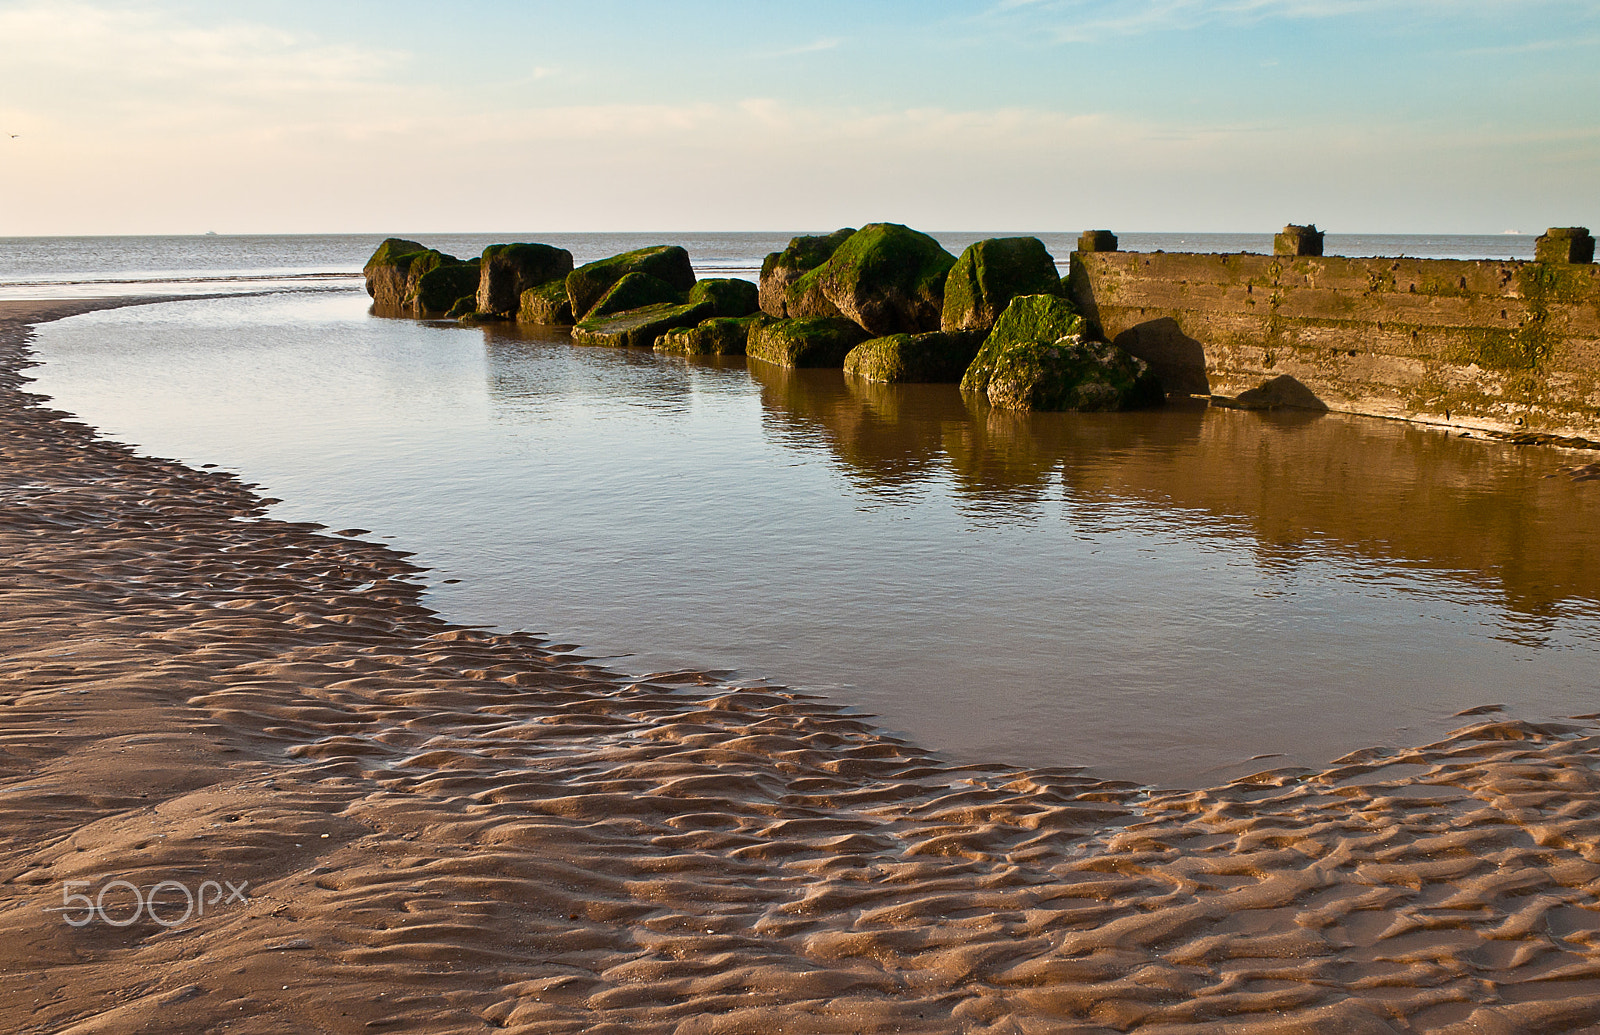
x=443 y=830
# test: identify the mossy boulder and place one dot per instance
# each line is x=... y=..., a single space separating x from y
x=386 y=271
x=729 y=295
x=507 y=270
x=781 y=269
x=403 y=275
x=1046 y=318
x=887 y=278
x=936 y=357
x=820 y=341
x=639 y=328
x=990 y=274
x=546 y=304
x=463 y=306
x=587 y=284
x=634 y=291
x=718 y=336
x=1070 y=374
x=441 y=287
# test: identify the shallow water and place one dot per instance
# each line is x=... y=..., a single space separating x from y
x=1161 y=596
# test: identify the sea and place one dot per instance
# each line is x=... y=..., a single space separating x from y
x=1175 y=597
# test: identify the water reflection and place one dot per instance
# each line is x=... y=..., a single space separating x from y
x=1379 y=491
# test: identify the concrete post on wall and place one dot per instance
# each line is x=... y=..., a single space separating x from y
x=1298 y=240
x=1564 y=244
x=1097 y=241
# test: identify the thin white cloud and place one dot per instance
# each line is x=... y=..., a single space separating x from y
x=830 y=43
x=1074 y=21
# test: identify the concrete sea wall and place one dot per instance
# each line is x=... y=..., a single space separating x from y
x=1506 y=346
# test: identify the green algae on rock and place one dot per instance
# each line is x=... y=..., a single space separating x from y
x=398 y=268
x=820 y=341
x=634 y=291
x=1044 y=318
x=507 y=270
x=730 y=295
x=464 y=306
x=989 y=274
x=587 y=284
x=937 y=357
x=886 y=277
x=1070 y=374
x=781 y=269
x=718 y=336
x=546 y=304
x=442 y=287
x=639 y=328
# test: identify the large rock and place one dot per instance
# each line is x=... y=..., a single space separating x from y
x=990 y=274
x=397 y=272
x=634 y=291
x=718 y=336
x=729 y=295
x=546 y=304
x=1070 y=374
x=781 y=269
x=887 y=278
x=639 y=328
x=934 y=357
x=587 y=284
x=507 y=270
x=386 y=271
x=820 y=341
x=1046 y=318
x=440 y=288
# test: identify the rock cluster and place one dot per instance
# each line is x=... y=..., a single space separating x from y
x=886 y=303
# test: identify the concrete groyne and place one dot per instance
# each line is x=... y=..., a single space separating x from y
x=1506 y=346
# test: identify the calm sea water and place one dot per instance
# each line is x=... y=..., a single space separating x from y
x=1161 y=596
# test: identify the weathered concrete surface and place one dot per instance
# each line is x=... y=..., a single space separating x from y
x=1495 y=345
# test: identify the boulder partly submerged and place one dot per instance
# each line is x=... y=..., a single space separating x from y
x=989 y=274
x=507 y=270
x=730 y=296
x=1046 y=318
x=587 y=284
x=639 y=328
x=780 y=270
x=1072 y=373
x=887 y=278
x=937 y=357
x=406 y=277
x=387 y=270
x=546 y=304
x=718 y=336
x=821 y=341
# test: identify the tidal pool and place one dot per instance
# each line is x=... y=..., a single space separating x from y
x=1175 y=597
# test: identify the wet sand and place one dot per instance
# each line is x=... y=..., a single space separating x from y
x=445 y=830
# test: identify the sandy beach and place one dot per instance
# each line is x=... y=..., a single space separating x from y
x=428 y=828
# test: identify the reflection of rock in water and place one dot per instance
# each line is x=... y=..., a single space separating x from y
x=528 y=364
x=1303 y=483
x=886 y=436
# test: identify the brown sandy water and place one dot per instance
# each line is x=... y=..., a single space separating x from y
x=443 y=830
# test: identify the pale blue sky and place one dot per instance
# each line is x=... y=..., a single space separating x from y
x=299 y=116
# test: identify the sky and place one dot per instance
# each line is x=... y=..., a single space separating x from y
x=361 y=116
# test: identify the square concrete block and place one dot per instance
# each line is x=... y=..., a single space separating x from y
x=1097 y=241
x=1564 y=244
x=1298 y=240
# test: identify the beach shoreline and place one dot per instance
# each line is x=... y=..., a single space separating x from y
x=444 y=829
